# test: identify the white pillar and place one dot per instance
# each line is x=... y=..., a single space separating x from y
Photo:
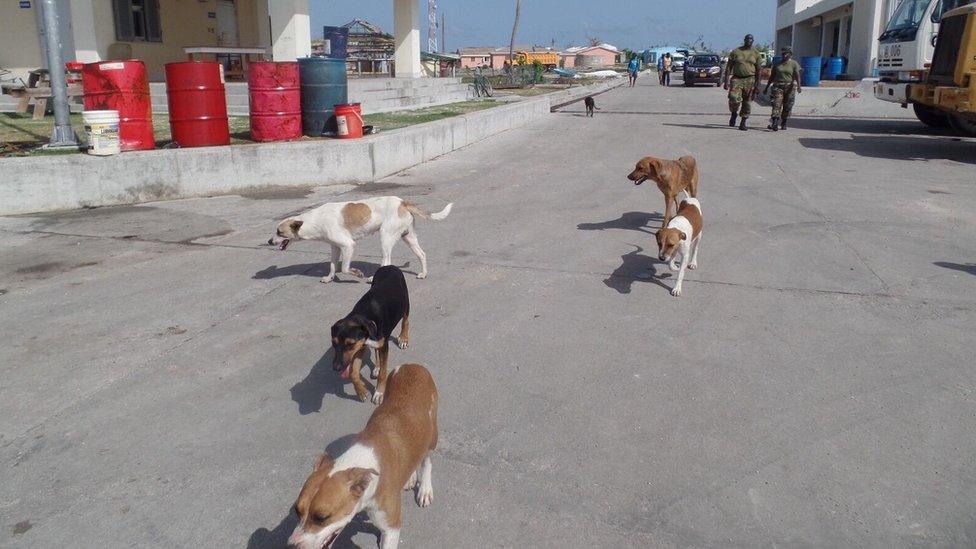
x=407 y=38
x=291 y=30
x=865 y=29
x=83 y=28
x=262 y=18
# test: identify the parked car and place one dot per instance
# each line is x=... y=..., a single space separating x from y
x=677 y=62
x=703 y=69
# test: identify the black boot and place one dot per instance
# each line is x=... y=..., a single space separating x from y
x=742 y=123
x=782 y=124
x=773 y=124
x=732 y=120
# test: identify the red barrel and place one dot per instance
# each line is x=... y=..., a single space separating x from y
x=349 y=121
x=73 y=70
x=122 y=86
x=276 y=101
x=197 y=104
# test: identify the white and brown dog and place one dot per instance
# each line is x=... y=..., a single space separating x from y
x=341 y=224
x=390 y=455
x=681 y=236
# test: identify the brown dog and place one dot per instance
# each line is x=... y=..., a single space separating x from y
x=391 y=454
x=671 y=176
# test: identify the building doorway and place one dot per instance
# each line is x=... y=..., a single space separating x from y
x=227 y=23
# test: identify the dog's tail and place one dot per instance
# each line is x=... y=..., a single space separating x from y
x=433 y=216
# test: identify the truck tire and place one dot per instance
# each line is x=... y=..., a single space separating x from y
x=931 y=117
x=962 y=125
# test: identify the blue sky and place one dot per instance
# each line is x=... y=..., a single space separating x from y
x=631 y=24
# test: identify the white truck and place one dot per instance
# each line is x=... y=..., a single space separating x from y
x=905 y=50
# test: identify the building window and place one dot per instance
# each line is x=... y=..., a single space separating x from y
x=137 y=20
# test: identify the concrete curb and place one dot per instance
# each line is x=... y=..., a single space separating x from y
x=46 y=183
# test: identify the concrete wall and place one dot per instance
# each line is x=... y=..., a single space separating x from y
x=20 y=48
x=75 y=181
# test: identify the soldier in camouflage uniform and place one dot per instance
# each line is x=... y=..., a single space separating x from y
x=742 y=80
x=785 y=81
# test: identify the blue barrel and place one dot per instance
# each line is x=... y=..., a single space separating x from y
x=811 y=70
x=335 y=41
x=323 y=86
x=834 y=68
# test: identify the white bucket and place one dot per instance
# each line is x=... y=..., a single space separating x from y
x=102 y=128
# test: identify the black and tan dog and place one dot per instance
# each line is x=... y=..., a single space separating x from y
x=369 y=326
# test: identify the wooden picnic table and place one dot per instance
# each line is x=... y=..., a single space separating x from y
x=40 y=95
x=217 y=51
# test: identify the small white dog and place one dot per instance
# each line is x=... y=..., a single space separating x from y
x=341 y=224
x=681 y=236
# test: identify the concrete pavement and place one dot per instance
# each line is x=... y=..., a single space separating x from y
x=164 y=377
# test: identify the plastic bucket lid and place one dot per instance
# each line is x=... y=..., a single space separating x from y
x=100 y=116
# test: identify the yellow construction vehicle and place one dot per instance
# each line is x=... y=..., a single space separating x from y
x=949 y=84
x=549 y=59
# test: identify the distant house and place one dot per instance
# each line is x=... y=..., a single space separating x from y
x=436 y=65
x=370 y=50
x=602 y=55
x=473 y=58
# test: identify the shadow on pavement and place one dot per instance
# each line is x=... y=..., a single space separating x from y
x=262 y=538
x=321 y=380
x=716 y=126
x=897 y=148
x=635 y=263
x=317 y=270
x=890 y=126
x=884 y=126
x=964 y=267
x=632 y=221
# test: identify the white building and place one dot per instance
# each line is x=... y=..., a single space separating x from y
x=834 y=28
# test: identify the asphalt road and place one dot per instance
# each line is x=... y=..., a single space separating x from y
x=164 y=378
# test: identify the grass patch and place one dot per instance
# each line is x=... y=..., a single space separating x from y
x=401 y=119
x=527 y=92
x=21 y=135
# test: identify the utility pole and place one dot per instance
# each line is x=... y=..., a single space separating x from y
x=62 y=135
x=443 y=32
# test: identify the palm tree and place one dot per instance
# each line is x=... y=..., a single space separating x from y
x=511 y=43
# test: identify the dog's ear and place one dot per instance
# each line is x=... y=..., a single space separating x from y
x=359 y=480
x=294 y=225
x=324 y=460
x=656 y=167
x=373 y=341
x=371 y=328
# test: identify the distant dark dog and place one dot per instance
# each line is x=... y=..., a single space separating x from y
x=369 y=326
x=590 y=105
